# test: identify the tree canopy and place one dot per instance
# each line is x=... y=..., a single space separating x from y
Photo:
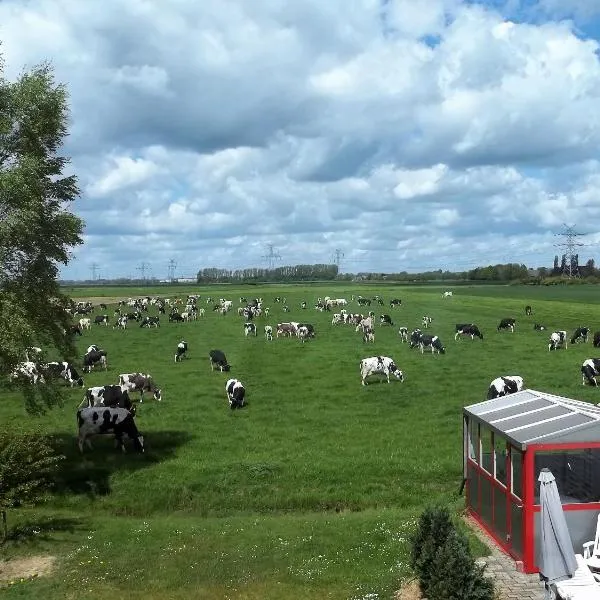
x=37 y=231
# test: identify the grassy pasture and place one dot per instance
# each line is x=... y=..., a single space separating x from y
x=310 y=491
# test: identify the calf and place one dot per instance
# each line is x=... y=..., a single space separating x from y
x=590 y=369
x=403 y=333
x=93 y=358
x=140 y=382
x=433 y=342
x=249 y=329
x=99 y=421
x=503 y=386
x=580 y=334
x=101 y=320
x=181 y=351
x=385 y=320
x=558 y=339
x=217 y=359
x=468 y=329
x=112 y=396
x=236 y=393
x=507 y=324
x=382 y=365
x=268 y=332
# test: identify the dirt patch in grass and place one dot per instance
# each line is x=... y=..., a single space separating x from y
x=409 y=590
x=95 y=300
x=16 y=569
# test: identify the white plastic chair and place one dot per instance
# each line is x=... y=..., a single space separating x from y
x=591 y=550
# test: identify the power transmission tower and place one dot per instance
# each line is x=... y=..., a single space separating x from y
x=172 y=267
x=337 y=256
x=569 y=245
x=142 y=269
x=271 y=256
x=94 y=269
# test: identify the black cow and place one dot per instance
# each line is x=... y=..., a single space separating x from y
x=150 y=322
x=74 y=330
x=101 y=319
x=113 y=396
x=590 y=369
x=93 y=358
x=395 y=302
x=218 y=359
x=175 y=318
x=98 y=421
x=363 y=301
x=528 y=310
x=468 y=329
x=507 y=324
x=433 y=342
x=385 y=320
x=580 y=334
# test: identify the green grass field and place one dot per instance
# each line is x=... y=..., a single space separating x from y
x=312 y=489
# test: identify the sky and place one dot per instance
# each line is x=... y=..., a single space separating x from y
x=408 y=135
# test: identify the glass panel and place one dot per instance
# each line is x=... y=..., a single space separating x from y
x=517 y=471
x=472 y=440
x=500 y=453
x=577 y=474
x=486 y=500
x=500 y=513
x=485 y=440
x=473 y=483
x=516 y=515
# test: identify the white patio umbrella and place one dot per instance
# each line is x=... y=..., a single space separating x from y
x=557 y=558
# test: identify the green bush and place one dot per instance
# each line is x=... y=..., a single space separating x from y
x=454 y=574
x=433 y=528
x=27 y=462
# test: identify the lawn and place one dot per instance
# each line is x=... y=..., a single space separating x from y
x=312 y=489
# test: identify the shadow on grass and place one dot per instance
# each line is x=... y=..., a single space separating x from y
x=43 y=529
x=89 y=473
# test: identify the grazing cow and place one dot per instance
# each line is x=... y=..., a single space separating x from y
x=363 y=301
x=101 y=319
x=117 y=421
x=507 y=324
x=302 y=332
x=150 y=322
x=236 y=393
x=590 y=369
x=85 y=323
x=218 y=359
x=121 y=322
x=447 y=295
x=538 y=327
x=385 y=320
x=66 y=371
x=286 y=329
x=134 y=316
x=403 y=333
x=175 y=318
x=308 y=326
x=249 y=329
x=337 y=318
x=580 y=334
x=395 y=302
x=28 y=370
x=112 y=396
x=415 y=338
x=268 y=332
x=503 y=386
x=468 y=329
x=140 y=382
x=366 y=323
x=528 y=310
x=558 y=339
x=426 y=321
x=433 y=342
x=181 y=351
x=368 y=335
x=382 y=365
x=93 y=358
x=92 y=347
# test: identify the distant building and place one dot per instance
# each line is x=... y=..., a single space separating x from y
x=186 y=280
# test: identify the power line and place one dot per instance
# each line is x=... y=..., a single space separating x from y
x=142 y=269
x=171 y=273
x=94 y=269
x=271 y=256
x=571 y=266
x=337 y=256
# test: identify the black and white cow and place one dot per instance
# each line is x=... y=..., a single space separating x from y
x=181 y=351
x=66 y=371
x=382 y=365
x=395 y=302
x=403 y=333
x=105 y=420
x=268 y=332
x=385 y=320
x=28 y=370
x=468 y=329
x=150 y=322
x=310 y=328
x=590 y=369
x=596 y=340
x=528 y=310
x=249 y=329
x=557 y=340
x=93 y=358
x=433 y=342
x=415 y=338
x=507 y=324
x=538 y=327
x=426 y=321
x=580 y=335
x=217 y=359
x=112 y=396
x=368 y=335
x=236 y=393
x=101 y=320
x=121 y=322
x=175 y=317
x=503 y=386
x=140 y=382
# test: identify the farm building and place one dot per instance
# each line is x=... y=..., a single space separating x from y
x=507 y=442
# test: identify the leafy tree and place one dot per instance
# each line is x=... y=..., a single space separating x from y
x=27 y=462
x=36 y=229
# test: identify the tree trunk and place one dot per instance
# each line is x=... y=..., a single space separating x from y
x=4 y=527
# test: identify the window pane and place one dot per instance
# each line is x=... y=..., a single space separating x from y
x=517 y=471
x=577 y=474
x=472 y=440
x=500 y=454
x=485 y=438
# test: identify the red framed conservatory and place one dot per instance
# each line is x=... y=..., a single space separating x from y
x=507 y=442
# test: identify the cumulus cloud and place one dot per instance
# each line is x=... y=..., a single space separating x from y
x=203 y=131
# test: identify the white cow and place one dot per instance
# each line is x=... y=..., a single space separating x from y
x=85 y=323
x=557 y=340
x=447 y=295
x=268 y=332
x=382 y=365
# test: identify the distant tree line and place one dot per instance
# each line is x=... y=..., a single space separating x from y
x=290 y=273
